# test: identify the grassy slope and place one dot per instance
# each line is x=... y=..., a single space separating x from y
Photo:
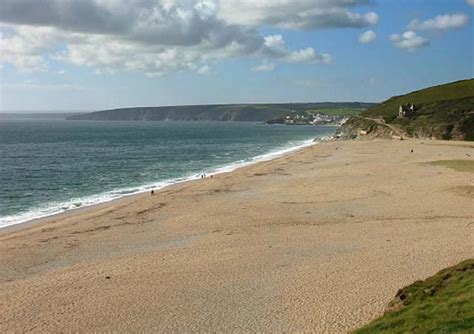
x=236 y=112
x=451 y=91
x=443 y=303
x=445 y=111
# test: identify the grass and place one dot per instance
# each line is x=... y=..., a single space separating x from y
x=444 y=112
x=443 y=303
x=458 y=165
x=452 y=91
x=216 y=112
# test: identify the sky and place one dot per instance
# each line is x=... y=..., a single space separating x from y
x=99 y=54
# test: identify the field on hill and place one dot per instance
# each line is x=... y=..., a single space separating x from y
x=230 y=112
x=444 y=112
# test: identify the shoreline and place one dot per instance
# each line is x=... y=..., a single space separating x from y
x=319 y=240
x=162 y=185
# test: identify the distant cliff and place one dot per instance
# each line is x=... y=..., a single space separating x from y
x=440 y=112
x=231 y=112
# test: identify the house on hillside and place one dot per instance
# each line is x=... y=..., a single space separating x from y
x=406 y=110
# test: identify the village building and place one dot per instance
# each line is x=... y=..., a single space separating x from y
x=406 y=110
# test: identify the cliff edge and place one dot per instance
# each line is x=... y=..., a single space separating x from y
x=439 y=112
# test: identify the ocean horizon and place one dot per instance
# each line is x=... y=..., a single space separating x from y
x=48 y=167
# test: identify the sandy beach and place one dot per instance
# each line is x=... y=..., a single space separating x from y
x=319 y=241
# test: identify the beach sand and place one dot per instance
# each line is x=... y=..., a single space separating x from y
x=318 y=241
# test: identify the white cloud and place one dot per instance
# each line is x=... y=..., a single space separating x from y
x=367 y=37
x=296 y=14
x=440 y=22
x=161 y=36
x=409 y=40
x=203 y=70
x=470 y=2
x=264 y=67
x=25 y=48
x=275 y=47
x=308 y=55
x=28 y=86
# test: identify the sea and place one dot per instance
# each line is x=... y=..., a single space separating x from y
x=48 y=166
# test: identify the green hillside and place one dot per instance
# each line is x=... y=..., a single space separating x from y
x=443 y=303
x=444 y=112
x=227 y=112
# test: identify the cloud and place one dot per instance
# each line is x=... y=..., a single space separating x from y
x=158 y=19
x=297 y=14
x=367 y=37
x=161 y=36
x=275 y=47
x=28 y=86
x=264 y=67
x=203 y=70
x=470 y=2
x=440 y=23
x=24 y=48
x=309 y=55
x=409 y=40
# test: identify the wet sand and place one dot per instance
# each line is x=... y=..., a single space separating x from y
x=318 y=241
